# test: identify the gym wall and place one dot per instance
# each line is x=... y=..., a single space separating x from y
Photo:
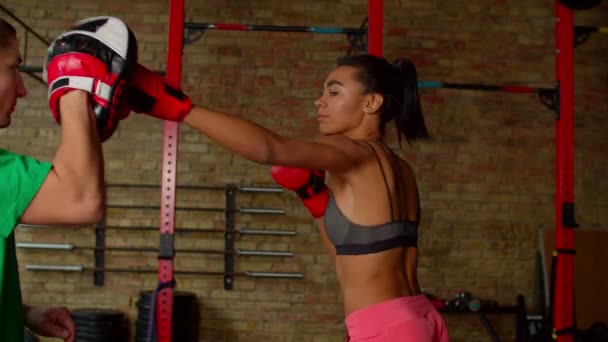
x=486 y=178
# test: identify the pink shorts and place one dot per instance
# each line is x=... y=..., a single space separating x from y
x=405 y=319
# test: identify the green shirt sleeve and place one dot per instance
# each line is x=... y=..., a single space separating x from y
x=20 y=179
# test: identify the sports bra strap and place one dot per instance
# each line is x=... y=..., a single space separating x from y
x=388 y=191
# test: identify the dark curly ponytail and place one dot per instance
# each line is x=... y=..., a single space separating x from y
x=398 y=84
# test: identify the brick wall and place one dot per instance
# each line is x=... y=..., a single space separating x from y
x=486 y=179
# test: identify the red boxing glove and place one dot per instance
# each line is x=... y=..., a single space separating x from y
x=308 y=184
x=149 y=93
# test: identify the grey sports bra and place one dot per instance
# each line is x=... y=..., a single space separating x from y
x=353 y=239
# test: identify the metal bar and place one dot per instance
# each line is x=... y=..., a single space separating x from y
x=243 y=210
x=522 y=326
x=196 y=187
x=42 y=226
x=146 y=249
x=486 y=324
x=546 y=275
x=262 y=211
x=66 y=268
x=70 y=247
x=272 y=28
x=266 y=232
x=164 y=313
x=264 y=253
x=157 y=186
x=80 y=268
x=483 y=87
x=212 y=273
x=36 y=77
x=230 y=196
x=563 y=294
x=30 y=69
x=243 y=231
x=156 y=207
x=274 y=275
x=586 y=29
x=129 y=206
x=50 y=246
x=149 y=229
x=38 y=69
x=100 y=260
x=591 y=29
x=375 y=14
x=145 y=270
x=28 y=28
x=200 y=209
x=121 y=249
x=25 y=42
x=260 y=189
x=200 y=187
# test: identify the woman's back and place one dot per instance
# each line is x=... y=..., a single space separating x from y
x=379 y=195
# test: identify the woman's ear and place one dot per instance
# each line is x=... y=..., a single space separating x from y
x=372 y=104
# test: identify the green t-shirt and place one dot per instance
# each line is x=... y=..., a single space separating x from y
x=20 y=179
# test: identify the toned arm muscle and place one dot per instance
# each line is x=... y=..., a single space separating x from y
x=260 y=145
x=73 y=192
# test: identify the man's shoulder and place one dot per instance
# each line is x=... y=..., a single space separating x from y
x=9 y=157
x=17 y=166
x=4 y=153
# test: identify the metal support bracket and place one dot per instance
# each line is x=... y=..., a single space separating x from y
x=568 y=219
x=582 y=34
x=230 y=194
x=550 y=98
x=193 y=35
x=100 y=260
x=358 y=42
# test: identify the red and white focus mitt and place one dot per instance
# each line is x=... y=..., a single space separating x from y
x=97 y=55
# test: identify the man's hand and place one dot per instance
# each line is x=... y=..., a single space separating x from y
x=50 y=322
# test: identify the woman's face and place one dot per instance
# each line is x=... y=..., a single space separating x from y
x=340 y=107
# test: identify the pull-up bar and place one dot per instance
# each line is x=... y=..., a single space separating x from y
x=274 y=28
x=483 y=87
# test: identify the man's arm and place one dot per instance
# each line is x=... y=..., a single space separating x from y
x=85 y=69
x=73 y=192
